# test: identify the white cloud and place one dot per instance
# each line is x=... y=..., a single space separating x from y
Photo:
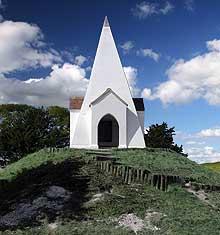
x=146 y=93
x=203 y=154
x=199 y=146
x=33 y=80
x=56 y=89
x=148 y=53
x=195 y=143
x=193 y=79
x=213 y=45
x=167 y=8
x=22 y=46
x=80 y=60
x=146 y=9
x=127 y=46
x=131 y=74
x=189 y=5
x=214 y=132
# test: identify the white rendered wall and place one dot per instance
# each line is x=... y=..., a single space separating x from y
x=141 y=119
x=113 y=106
x=107 y=72
x=74 y=114
x=82 y=135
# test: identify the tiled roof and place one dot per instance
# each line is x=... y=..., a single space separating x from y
x=76 y=102
x=139 y=104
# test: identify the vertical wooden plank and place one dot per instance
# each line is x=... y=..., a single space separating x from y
x=146 y=174
x=165 y=183
x=123 y=173
x=113 y=169
x=135 y=175
x=126 y=175
x=120 y=171
x=142 y=176
x=162 y=185
x=158 y=181
x=150 y=178
x=116 y=170
x=129 y=176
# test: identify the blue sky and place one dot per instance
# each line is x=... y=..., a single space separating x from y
x=170 y=51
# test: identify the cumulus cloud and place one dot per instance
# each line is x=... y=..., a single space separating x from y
x=56 y=89
x=146 y=9
x=167 y=8
x=22 y=46
x=197 y=78
x=80 y=60
x=203 y=154
x=127 y=46
x=213 y=45
x=211 y=132
x=199 y=146
x=149 y=53
x=191 y=142
x=146 y=93
x=131 y=74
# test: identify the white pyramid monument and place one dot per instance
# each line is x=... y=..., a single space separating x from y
x=108 y=116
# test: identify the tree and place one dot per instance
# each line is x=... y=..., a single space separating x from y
x=61 y=119
x=160 y=136
x=25 y=129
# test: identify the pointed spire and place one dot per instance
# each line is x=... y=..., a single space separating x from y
x=106 y=23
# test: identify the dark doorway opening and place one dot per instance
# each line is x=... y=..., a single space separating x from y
x=108 y=132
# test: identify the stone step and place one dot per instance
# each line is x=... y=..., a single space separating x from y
x=99 y=152
x=106 y=158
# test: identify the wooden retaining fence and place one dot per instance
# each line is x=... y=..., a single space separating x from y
x=205 y=187
x=131 y=175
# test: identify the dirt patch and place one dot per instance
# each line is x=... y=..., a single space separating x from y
x=132 y=222
x=136 y=224
x=202 y=196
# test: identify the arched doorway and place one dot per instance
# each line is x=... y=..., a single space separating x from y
x=108 y=132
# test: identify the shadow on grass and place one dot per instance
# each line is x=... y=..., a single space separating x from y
x=32 y=185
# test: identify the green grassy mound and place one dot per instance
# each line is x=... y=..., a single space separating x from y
x=167 y=162
x=155 y=160
x=35 y=160
x=183 y=213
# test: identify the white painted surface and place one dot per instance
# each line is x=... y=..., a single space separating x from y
x=74 y=114
x=107 y=72
x=111 y=104
x=141 y=119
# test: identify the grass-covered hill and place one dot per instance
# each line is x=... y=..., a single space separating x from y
x=85 y=200
x=168 y=162
x=213 y=166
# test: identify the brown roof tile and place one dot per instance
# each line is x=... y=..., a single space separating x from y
x=76 y=102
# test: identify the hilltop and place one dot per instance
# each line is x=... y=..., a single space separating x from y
x=90 y=201
x=213 y=166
